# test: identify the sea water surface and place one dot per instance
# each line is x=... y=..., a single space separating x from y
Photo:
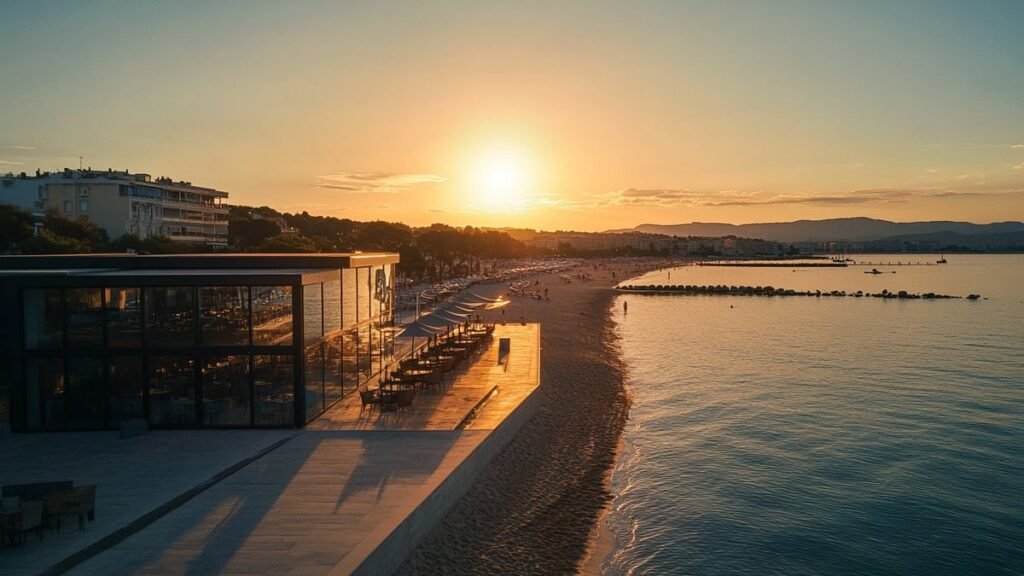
x=806 y=435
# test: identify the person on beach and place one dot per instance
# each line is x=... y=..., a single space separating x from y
x=625 y=307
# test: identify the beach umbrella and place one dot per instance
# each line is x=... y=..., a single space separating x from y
x=441 y=320
x=467 y=306
x=474 y=299
x=469 y=296
x=448 y=313
x=416 y=330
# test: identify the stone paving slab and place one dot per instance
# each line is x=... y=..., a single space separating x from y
x=133 y=476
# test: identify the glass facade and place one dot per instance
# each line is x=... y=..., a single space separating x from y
x=274 y=399
x=125 y=389
x=313 y=349
x=124 y=317
x=226 y=391
x=84 y=310
x=204 y=356
x=225 y=315
x=170 y=317
x=172 y=391
x=43 y=317
x=272 y=315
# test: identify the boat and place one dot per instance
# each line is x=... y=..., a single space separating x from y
x=941 y=260
x=873 y=271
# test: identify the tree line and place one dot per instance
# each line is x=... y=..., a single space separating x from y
x=428 y=253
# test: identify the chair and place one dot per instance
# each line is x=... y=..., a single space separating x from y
x=369 y=398
x=405 y=398
x=83 y=504
x=31 y=518
x=78 y=501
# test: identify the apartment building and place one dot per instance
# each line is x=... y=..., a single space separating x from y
x=121 y=202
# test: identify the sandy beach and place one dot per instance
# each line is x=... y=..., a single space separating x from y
x=536 y=508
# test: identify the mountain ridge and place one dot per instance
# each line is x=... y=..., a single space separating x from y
x=852 y=229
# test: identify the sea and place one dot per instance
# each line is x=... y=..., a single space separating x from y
x=824 y=435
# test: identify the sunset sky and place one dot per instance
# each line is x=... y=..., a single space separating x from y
x=553 y=115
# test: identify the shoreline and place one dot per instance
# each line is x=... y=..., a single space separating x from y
x=540 y=506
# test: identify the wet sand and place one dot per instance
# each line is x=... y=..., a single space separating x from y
x=535 y=509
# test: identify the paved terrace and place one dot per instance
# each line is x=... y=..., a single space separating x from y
x=466 y=388
x=351 y=493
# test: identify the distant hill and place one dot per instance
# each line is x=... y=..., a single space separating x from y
x=997 y=241
x=855 y=229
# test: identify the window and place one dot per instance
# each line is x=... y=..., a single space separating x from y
x=274 y=400
x=84 y=310
x=313 y=364
x=333 y=346
x=83 y=205
x=172 y=392
x=43 y=318
x=124 y=317
x=225 y=315
x=272 y=315
x=125 y=388
x=170 y=319
x=226 y=398
x=46 y=402
x=85 y=408
x=68 y=206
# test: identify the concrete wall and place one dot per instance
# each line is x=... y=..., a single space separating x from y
x=396 y=547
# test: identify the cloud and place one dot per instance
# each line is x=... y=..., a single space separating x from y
x=14 y=147
x=11 y=163
x=1018 y=146
x=1019 y=166
x=366 y=182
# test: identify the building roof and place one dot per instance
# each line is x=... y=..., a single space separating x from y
x=184 y=269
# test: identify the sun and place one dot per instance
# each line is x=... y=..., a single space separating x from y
x=501 y=179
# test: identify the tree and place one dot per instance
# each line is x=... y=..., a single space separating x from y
x=49 y=243
x=81 y=231
x=15 y=225
x=246 y=233
x=287 y=244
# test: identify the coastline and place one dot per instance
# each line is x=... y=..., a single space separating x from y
x=539 y=506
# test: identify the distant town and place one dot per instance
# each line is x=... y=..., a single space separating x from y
x=87 y=210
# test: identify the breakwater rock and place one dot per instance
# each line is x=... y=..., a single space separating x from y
x=722 y=290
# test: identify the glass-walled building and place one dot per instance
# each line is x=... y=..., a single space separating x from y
x=197 y=341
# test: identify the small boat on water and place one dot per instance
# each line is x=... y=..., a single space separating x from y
x=941 y=260
x=873 y=271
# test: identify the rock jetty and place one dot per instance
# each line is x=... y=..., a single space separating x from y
x=722 y=290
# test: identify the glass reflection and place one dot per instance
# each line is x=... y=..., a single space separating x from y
x=43 y=320
x=124 y=317
x=226 y=391
x=225 y=315
x=272 y=315
x=84 y=309
x=313 y=366
x=274 y=400
x=125 y=389
x=45 y=394
x=172 y=392
x=333 y=381
x=170 y=317
x=85 y=394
